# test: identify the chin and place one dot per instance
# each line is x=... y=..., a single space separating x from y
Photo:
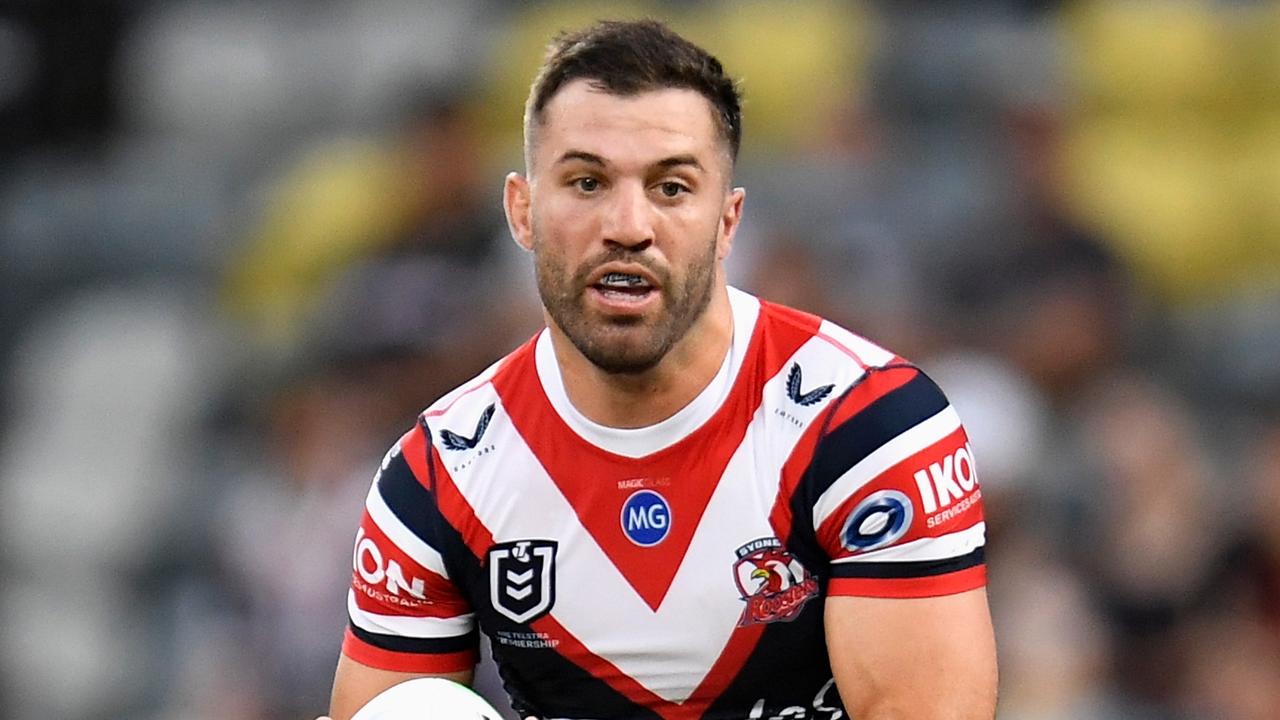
x=623 y=355
x=625 y=365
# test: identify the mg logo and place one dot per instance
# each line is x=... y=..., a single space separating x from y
x=646 y=518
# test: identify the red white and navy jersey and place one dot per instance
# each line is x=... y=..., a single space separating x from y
x=677 y=570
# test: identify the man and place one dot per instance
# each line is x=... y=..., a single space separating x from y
x=677 y=500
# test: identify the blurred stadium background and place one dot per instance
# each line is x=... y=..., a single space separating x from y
x=241 y=243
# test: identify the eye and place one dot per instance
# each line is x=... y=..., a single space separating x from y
x=587 y=184
x=672 y=189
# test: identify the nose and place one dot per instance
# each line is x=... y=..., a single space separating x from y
x=628 y=218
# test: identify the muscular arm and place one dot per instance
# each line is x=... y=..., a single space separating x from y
x=913 y=659
x=355 y=684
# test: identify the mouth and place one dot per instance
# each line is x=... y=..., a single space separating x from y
x=623 y=284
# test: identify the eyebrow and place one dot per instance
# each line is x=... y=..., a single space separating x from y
x=583 y=156
x=665 y=163
x=679 y=160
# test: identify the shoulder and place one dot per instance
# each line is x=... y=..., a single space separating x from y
x=481 y=391
x=843 y=345
x=823 y=365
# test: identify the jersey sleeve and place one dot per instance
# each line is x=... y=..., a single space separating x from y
x=893 y=497
x=405 y=612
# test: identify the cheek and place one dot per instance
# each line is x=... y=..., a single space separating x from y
x=565 y=223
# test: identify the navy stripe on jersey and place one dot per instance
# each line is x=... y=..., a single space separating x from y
x=920 y=568
x=400 y=643
x=533 y=677
x=888 y=417
x=852 y=441
x=776 y=686
x=405 y=496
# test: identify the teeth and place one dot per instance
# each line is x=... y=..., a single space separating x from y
x=617 y=279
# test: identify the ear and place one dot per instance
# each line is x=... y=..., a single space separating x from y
x=517 y=203
x=730 y=217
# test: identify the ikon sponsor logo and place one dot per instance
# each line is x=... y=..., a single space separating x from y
x=384 y=579
x=945 y=482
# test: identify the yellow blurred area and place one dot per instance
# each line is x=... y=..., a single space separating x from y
x=339 y=203
x=813 y=57
x=1170 y=149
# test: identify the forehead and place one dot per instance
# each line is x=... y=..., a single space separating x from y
x=641 y=128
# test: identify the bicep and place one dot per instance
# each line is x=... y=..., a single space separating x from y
x=355 y=684
x=907 y=658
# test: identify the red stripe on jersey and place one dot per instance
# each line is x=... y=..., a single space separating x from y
x=726 y=668
x=872 y=387
x=387 y=581
x=597 y=483
x=455 y=508
x=579 y=654
x=921 y=587
x=901 y=477
x=375 y=657
x=413 y=446
x=722 y=673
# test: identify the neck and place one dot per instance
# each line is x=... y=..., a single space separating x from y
x=639 y=400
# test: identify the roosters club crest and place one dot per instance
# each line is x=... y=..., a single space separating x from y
x=772 y=581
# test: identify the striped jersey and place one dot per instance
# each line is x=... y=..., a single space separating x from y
x=677 y=570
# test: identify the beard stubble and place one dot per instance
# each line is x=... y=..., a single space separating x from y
x=623 y=345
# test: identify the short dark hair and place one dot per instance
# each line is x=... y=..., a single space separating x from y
x=631 y=57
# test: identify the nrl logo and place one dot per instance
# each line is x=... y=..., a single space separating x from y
x=522 y=578
x=772 y=582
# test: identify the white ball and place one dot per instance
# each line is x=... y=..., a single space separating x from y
x=427 y=699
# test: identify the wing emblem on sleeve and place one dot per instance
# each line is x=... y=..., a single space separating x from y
x=812 y=397
x=454 y=441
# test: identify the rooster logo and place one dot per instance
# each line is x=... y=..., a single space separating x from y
x=772 y=572
x=772 y=582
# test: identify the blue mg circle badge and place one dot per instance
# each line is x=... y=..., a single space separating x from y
x=646 y=518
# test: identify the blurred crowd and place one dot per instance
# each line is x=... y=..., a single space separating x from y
x=243 y=243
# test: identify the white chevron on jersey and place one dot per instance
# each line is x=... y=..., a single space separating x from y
x=891 y=453
x=952 y=545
